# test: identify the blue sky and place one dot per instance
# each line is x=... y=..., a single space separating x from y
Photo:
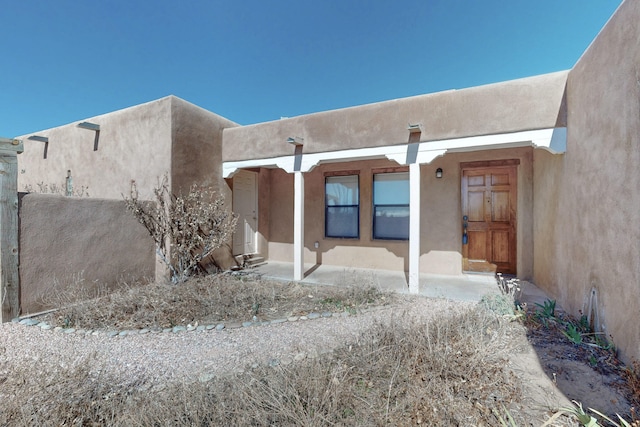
x=257 y=60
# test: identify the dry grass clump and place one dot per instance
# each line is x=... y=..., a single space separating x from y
x=448 y=371
x=632 y=376
x=208 y=299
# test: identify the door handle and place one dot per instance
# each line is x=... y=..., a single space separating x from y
x=465 y=236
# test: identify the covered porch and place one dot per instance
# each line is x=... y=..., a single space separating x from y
x=436 y=243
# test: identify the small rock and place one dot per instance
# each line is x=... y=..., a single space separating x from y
x=327 y=314
x=293 y=318
x=123 y=333
x=278 y=321
x=234 y=325
x=167 y=330
x=200 y=328
x=15 y=320
x=206 y=377
x=45 y=326
x=112 y=333
x=210 y=327
x=191 y=328
x=246 y=324
x=274 y=362
x=177 y=329
x=303 y=318
x=299 y=357
x=286 y=360
x=143 y=331
x=29 y=322
x=69 y=331
x=57 y=328
x=220 y=326
x=312 y=316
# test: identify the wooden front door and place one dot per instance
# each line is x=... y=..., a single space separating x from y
x=489 y=205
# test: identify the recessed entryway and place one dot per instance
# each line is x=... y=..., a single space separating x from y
x=245 y=205
x=489 y=216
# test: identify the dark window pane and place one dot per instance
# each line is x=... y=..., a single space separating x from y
x=391 y=222
x=342 y=221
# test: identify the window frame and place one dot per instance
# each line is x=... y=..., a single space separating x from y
x=327 y=207
x=375 y=205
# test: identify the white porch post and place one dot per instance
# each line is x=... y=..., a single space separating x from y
x=298 y=226
x=414 y=228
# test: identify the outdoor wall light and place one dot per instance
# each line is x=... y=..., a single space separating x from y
x=41 y=139
x=439 y=173
x=296 y=140
x=414 y=128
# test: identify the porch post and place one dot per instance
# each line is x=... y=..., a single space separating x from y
x=414 y=228
x=298 y=226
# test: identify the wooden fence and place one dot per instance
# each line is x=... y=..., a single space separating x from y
x=9 y=276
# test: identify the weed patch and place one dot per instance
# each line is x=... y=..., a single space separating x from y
x=208 y=299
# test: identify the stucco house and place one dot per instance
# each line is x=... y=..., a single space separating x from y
x=537 y=177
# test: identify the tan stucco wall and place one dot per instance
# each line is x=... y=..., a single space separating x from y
x=196 y=150
x=167 y=136
x=134 y=143
x=524 y=104
x=63 y=238
x=587 y=203
x=441 y=224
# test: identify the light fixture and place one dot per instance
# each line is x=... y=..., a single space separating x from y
x=414 y=128
x=89 y=126
x=41 y=139
x=296 y=140
x=439 y=173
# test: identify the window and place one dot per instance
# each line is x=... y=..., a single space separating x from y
x=391 y=206
x=342 y=207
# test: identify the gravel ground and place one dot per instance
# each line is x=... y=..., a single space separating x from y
x=162 y=357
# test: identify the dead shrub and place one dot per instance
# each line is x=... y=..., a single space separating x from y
x=185 y=228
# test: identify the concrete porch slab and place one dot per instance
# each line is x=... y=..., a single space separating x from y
x=465 y=287
x=468 y=287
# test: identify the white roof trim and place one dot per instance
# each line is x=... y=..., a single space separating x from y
x=552 y=139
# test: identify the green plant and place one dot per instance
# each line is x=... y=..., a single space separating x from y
x=573 y=333
x=547 y=309
x=185 y=229
x=500 y=304
x=588 y=420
